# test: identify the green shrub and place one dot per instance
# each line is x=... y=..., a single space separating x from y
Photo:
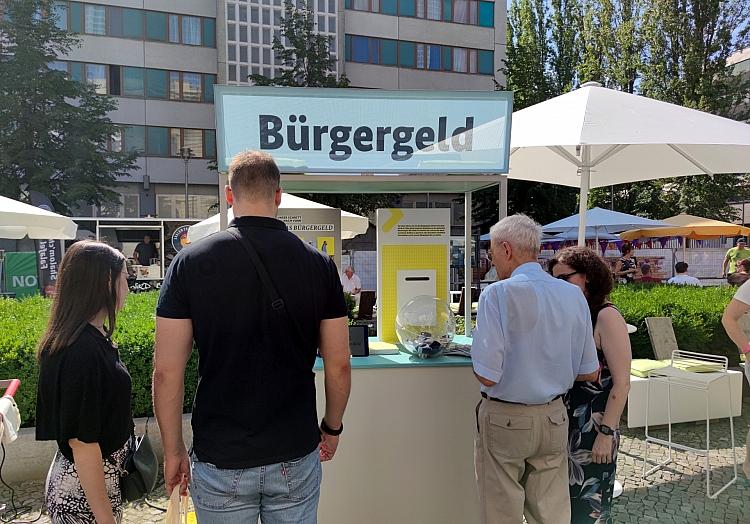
x=22 y=323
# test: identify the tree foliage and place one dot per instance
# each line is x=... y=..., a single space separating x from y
x=306 y=59
x=54 y=131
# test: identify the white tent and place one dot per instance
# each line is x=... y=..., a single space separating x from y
x=597 y=137
x=351 y=224
x=18 y=220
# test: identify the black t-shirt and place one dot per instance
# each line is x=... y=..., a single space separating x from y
x=255 y=403
x=84 y=392
x=146 y=252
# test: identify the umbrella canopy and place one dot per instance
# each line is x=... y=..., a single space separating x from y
x=18 y=220
x=351 y=224
x=602 y=221
x=689 y=226
x=591 y=233
x=596 y=137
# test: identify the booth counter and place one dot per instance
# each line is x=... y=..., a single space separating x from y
x=407 y=451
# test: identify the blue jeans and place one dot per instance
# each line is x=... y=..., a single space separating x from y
x=283 y=493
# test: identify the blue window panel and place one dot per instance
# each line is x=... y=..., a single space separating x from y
x=406 y=8
x=76 y=17
x=132 y=81
x=209 y=32
x=360 y=49
x=210 y=138
x=157 y=143
x=208 y=88
x=487 y=14
x=157 y=82
x=76 y=71
x=60 y=15
x=134 y=138
x=156 y=26
x=388 y=52
x=348 y=48
x=486 y=62
x=374 y=45
x=447 y=10
x=348 y=4
x=389 y=7
x=447 y=58
x=132 y=23
x=406 y=54
x=433 y=57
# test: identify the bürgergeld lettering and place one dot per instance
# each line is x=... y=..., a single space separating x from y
x=301 y=137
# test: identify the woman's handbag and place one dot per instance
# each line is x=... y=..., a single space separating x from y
x=140 y=468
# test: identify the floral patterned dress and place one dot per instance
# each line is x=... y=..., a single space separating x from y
x=591 y=485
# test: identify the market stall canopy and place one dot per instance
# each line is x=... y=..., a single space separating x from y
x=18 y=220
x=351 y=224
x=602 y=221
x=591 y=234
x=597 y=137
x=689 y=226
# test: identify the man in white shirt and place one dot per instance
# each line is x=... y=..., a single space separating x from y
x=533 y=340
x=351 y=283
x=682 y=278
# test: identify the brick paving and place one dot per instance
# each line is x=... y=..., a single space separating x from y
x=673 y=495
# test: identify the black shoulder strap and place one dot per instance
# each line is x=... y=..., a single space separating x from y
x=277 y=303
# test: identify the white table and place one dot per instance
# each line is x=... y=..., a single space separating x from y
x=687 y=406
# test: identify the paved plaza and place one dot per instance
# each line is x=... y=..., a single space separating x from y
x=676 y=494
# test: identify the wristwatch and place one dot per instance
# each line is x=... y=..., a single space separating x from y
x=606 y=430
x=325 y=428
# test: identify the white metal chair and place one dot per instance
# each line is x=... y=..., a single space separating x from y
x=674 y=377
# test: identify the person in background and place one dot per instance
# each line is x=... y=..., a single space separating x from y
x=84 y=390
x=257 y=443
x=533 y=340
x=351 y=283
x=734 y=255
x=742 y=274
x=737 y=307
x=682 y=278
x=626 y=266
x=646 y=275
x=595 y=408
x=145 y=251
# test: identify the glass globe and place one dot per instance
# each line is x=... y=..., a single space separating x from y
x=425 y=326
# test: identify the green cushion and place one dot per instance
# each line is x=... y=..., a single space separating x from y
x=640 y=367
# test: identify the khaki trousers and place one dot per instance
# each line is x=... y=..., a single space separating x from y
x=521 y=463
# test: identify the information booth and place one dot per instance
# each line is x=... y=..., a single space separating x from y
x=407 y=452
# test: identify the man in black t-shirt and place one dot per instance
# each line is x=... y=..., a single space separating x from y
x=254 y=416
x=145 y=251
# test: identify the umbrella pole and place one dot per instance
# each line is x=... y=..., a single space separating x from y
x=583 y=203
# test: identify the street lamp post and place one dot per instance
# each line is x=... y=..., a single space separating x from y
x=186 y=153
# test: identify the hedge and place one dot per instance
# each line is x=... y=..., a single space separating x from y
x=696 y=315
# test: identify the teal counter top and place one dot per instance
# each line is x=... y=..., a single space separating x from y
x=404 y=360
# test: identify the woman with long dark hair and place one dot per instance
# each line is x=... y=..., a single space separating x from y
x=84 y=391
x=627 y=265
x=594 y=408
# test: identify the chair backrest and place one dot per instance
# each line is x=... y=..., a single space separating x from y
x=366 y=303
x=661 y=334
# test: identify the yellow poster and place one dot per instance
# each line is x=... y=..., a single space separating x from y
x=326 y=245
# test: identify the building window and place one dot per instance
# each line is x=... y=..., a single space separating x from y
x=175 y=141
x=210 y=139
x=388 y=52
x=156 y=83
x=191 y=30
x=132 y=81
x=193 y=138
x=191 y=87
x=486 y=62
x=460 y=60
x=157 y=141
x=487 y=14
x=156 y=26
x=76 y=17
x=96 y=75
x=127 y=208
x=174 y=29
x=133 y=138
x=132 y=23
x=174 y=85
x=114 y=80
x=209 y=32
x=406 y=54
x=208 y=88
x=60 y=15
x=115 y=142
x=94 y=20
x=434 y=9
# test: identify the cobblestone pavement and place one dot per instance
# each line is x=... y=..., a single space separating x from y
x=675 y=494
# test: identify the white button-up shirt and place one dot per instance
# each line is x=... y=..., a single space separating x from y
x=533 y=337
x=350 y=284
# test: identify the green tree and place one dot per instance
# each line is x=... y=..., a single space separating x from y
x=566 y=45
x=54 y=131
x=306 y=60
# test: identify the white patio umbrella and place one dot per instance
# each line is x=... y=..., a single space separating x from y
x=18 y=220
x=597 y=137
x=351 y=224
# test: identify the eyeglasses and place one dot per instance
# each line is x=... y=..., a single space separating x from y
x=567 y=276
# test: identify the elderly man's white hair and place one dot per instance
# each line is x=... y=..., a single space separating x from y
x=521 y=232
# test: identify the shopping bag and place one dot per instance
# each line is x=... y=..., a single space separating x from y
x=177 y=510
